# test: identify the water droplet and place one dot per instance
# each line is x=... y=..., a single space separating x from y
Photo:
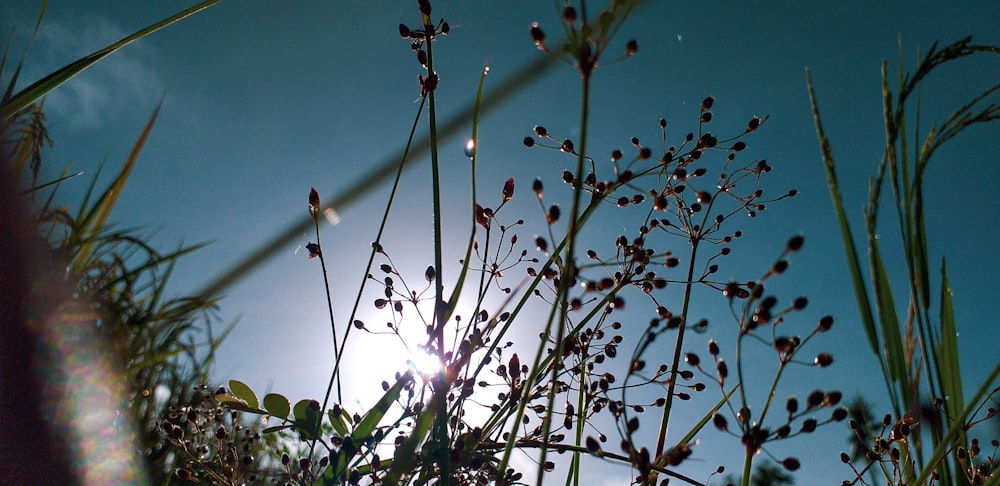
x=470 y=148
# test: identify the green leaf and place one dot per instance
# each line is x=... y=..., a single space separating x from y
x=277 y=405
x=276 y=428
x=243 y=392
x=306 y=419
x=338 y=422
x=236 y=404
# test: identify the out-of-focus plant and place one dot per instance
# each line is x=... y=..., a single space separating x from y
x=100 y=296
x=926 y=439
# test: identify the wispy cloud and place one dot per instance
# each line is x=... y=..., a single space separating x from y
x=107 y=90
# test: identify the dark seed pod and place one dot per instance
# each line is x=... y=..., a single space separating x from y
x=753 y=124
x=720 y=422
x=631 y=47
x=791 y=463
x=404 y=31
x=529 y=142
x=569 y=14
x=508 y=190
x=800 y=303
x=839 y=414
x=722 y=370
x=707 y=103
x=553 y=214
x=537 y=35
x=795 y=243
x=425 y=9
x=567 y=146
x=739 y=146
x=431 y=83
x=814 y=399
x=823 y=360
x=792 y=405
x=541 y=244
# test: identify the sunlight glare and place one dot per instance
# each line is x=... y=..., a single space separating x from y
x=424 y=363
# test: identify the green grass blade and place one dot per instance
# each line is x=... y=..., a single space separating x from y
x=460 y=283
x=958 y=426
x=17 y=71
x=371 y=419
x=43 y=86
x=948 y=364
x=894 y=353
x=853 y=262
x=97 y=217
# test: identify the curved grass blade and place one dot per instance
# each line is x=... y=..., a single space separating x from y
x=97 y=217
x=40 y=88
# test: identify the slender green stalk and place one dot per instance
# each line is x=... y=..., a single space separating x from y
x=329 y=306
x=678 y=350
x=441 y=383
x=568 y=276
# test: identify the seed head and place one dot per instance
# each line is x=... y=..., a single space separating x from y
x=537 y=36
x=314 y=205
x=631 y=47
x=569 y=14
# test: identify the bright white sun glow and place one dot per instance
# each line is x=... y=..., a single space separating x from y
x=424 y=363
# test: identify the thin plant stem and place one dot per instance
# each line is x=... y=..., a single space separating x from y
x=329 y=306
x=678 y=345
x=441 y=383
x=569 y=268
x=376 y=245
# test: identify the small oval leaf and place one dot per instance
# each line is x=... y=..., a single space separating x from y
x=277 y=405
x=243 y=392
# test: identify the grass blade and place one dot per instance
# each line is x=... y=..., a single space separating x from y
x=96 y=219
x=40 y=88
x=853 y=262
x=948 y=364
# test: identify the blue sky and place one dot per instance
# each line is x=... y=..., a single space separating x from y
x=263 y=100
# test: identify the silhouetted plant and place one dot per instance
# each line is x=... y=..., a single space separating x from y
x=688 y=192
x=98 y=302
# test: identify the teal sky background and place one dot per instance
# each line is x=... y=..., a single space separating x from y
x=264 y=99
